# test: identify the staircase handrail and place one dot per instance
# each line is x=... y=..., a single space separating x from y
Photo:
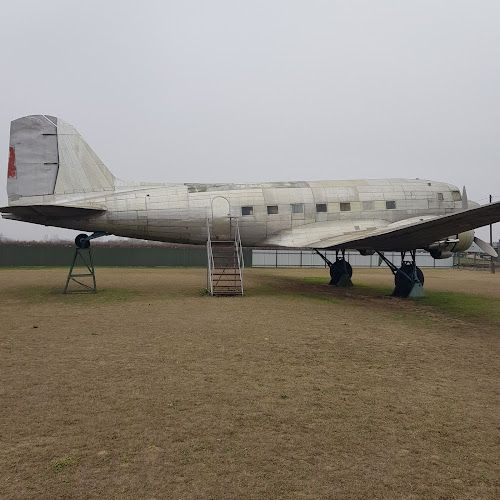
x=210 y=259
x=239 y=253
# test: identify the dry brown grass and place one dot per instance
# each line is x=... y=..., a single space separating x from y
x=150 y=390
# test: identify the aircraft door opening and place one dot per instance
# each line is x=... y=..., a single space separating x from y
x=221 y=221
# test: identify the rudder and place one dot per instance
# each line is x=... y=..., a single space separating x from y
x=47 y=156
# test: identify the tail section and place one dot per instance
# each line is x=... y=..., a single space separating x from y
x=47 y=156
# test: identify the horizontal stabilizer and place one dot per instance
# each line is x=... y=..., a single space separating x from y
x=50 y=212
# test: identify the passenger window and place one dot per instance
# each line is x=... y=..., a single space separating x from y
x=272 y=209
x=440 y=197
x=345 y=207
x=390 y=205
x=321 y=207
x=297 y=208
x=246 y=210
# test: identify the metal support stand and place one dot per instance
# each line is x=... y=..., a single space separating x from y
x=83 y=251
x=340 y=270
x=85 y=255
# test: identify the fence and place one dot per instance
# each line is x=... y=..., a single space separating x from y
x=309 y=258
x=48 y=255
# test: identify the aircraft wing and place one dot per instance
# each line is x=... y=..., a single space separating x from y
x=408 y=234
x=51 y=212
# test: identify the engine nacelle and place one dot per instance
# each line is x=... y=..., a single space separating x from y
x=446 y=248
x=440 y=254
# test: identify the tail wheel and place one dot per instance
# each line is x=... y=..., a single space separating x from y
x=81 y=241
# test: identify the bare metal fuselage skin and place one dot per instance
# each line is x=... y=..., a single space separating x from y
x=178 y=212
x=54 y=178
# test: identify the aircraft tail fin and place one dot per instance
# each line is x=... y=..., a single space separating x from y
x=47 y=156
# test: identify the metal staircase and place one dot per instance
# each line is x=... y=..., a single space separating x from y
x=225 y=264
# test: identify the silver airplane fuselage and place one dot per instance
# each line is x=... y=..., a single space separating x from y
x=54 y=178
x=178 y=212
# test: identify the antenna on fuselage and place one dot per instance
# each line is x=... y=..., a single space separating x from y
x=465 y=202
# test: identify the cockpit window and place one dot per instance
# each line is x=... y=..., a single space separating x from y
x=456 y=196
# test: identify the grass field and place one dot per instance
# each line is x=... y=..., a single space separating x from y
x=152 y=390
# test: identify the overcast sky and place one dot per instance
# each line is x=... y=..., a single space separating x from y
x=262 y=90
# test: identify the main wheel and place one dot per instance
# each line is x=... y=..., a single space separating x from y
x=403 y=279
x=81 y=241
x=338 y=269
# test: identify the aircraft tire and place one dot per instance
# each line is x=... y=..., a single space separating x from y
x=403 y=284
x=81 y=241
x=338 y=269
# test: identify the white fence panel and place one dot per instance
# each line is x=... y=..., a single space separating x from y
x=309 y=258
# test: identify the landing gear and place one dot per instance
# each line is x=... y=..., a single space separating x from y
x=408 y=279
x=81 y=241
x=340 y=270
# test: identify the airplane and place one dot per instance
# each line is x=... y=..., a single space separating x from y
x=55 y=179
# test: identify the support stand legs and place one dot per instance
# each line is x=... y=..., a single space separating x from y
x=82 y=257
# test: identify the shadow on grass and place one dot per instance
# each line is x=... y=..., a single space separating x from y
x=294 y=287
x=467 y=307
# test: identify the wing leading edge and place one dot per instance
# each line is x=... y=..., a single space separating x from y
x=409 y=234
